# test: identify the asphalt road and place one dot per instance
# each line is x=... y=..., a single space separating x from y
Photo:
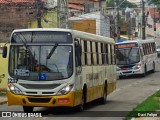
x=129 y=93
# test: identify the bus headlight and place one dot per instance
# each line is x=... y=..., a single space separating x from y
x=14 y=89
x=118 y=69
x=137 y=66
x=65 y=90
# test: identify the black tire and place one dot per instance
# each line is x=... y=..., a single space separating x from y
x=145 y=71
x=103 y=99
x=153 y=70
x=83 y=103
x=27 y=109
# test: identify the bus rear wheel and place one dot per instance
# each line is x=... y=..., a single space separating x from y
x=27 y=109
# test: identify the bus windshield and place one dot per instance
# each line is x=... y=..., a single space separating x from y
x=41 y=62
x=128 y=55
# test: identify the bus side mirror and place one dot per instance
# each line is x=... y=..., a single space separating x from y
x=4 y=55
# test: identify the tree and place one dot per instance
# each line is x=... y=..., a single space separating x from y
x=123 y=5
x=155 y=2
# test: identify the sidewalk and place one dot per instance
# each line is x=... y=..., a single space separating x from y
x=3 y=100
x=146 y=118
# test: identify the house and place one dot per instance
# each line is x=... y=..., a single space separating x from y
x=152 y=21
x=19 y=14
x=79 y=7
x=48 y=15
x=56 y=15
x=94 y=22
x=15 y=14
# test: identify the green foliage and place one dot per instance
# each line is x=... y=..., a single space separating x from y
x=123 y=5
x=2 y=92
x=155 y=2
x=151 y=104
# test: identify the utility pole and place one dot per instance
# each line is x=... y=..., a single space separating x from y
x=38 y=9
x=100 y=6
x=118 y=20
x=143 y=22
x=117 y=30
x=154 y=23
x=62 y=13
x=58 y=11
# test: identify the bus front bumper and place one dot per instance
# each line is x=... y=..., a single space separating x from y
x=128 y=72
x=41 y=101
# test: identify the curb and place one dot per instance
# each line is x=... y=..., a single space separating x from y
x=3 y=102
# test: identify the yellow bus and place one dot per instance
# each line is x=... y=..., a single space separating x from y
x=59 y=67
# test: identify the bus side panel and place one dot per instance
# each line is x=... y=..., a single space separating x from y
x=89 y=81
x=111 y=83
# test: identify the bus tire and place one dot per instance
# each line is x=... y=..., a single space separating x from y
x=145 y=71
x=83 y=101
x=103 y=99
x=27 y=109
x=153 y=70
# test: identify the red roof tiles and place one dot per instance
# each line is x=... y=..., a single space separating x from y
x=81 y=1
x=154 y=12
x=17 y=1
x=74 y=6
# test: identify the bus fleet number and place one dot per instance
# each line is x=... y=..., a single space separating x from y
x=12 y=80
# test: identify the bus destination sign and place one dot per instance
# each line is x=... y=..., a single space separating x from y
x=126 y=45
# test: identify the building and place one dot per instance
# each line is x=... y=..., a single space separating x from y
x=152 y=21
x=15 y=14
x=79 y=7
x=101 y=27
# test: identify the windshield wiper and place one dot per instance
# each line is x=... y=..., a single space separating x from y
x=130 y=51
x=52 y=51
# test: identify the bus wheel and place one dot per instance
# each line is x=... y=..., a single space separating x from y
x=27 y=109
x=145 y=71
x=103 y=99
x=82 y=105
x=153 y=70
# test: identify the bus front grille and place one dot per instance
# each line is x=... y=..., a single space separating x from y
x=128 y=72
x=39 y=100
x=39 y=86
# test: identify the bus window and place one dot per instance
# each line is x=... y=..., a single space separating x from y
x=88 y=53
x=94 y=53
x=100 y=53
x=92 y=62
x=83 y=54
